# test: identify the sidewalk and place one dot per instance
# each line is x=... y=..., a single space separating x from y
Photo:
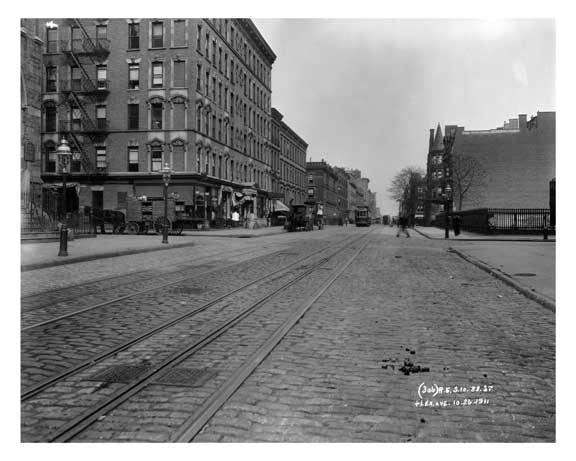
x=526 y=262
x=40 y=255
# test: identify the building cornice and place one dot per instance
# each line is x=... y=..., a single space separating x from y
x=254 y=34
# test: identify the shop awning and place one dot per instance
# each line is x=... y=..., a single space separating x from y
x=279 y=206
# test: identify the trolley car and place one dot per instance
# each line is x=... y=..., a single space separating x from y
x=362 y=216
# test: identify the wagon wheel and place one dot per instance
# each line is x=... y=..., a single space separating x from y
x=158 y=224
x=177 y=227
x=132 y=228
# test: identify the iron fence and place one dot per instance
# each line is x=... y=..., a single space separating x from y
x=42 y=212
x=502 y=220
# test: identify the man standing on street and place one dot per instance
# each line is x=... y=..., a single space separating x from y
x=402 y=226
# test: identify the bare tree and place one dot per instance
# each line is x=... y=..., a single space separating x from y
x=468 y=180
x=401 y=180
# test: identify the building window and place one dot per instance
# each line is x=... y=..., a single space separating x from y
x=133 y=116
x=179 y=73
x=76 y=78
x=157 y=34
x=207 y=47
x=133 y=159
x=214 y=126
x=51 y=79
x=178 y=156
x=102 y=77
x=207 y=89
x=214 y=89
x=76 y=119
x=213 y=164
x=179 y=32
x=101 y=117
x=156 y=158
x=199 y=77
x=101 y=157
x=214 y=52
x=76 y=39
x=52 y=40
x=50 y=158
x=179 y=115
x=134 y=76
x=156 y=115
x=75 y=163
x=198 y=37
x=133 y=35
x=101 y=33
x=50 y=119
x=157 y=75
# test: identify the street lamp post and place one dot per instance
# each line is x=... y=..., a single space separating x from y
x=64 y=155
x=447 y=203
x=166 y=173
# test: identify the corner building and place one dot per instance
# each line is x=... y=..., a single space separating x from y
x=131 y=95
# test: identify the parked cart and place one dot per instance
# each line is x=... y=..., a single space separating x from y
x=143 y=216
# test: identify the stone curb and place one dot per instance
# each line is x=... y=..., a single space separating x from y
x=544 y=301
x=93 y=257
x=80 y=259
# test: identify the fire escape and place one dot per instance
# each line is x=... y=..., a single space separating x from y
x=84 y=93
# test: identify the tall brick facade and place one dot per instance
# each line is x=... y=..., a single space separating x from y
x=289 y=160
x=31 y=47
x=134 y=94
x=519 y=162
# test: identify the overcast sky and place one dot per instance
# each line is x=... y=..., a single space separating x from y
x=364 y=93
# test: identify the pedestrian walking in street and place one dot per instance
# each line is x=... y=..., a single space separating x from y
x=456 y=224
x=235 y=218
x=402 y=226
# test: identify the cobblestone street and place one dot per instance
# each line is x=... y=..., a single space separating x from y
x=410 y=344
x=406 y=318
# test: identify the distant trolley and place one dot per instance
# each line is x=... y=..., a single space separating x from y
x=362 y=216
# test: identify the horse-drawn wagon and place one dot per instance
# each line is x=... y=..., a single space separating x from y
x=143 y=216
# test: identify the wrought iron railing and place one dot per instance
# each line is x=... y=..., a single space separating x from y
x=502 y=220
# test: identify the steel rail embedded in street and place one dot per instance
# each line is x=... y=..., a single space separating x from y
x=36 y=389
x=80 y=423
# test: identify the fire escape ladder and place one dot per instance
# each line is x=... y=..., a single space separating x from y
x=87 y=122
x=88 y=84
x=85 y=160
x=88 y=43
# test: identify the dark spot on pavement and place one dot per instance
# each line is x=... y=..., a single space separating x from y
x=422 y=420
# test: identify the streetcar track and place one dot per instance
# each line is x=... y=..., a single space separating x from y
x=156 y=273
x=133 y=294
x=36 y=389
x=83 y=421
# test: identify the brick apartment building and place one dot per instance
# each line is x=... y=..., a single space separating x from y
x=288 y=162
x=31 y=49
x=327 y=187
x=130 y=95
x=518 y=160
